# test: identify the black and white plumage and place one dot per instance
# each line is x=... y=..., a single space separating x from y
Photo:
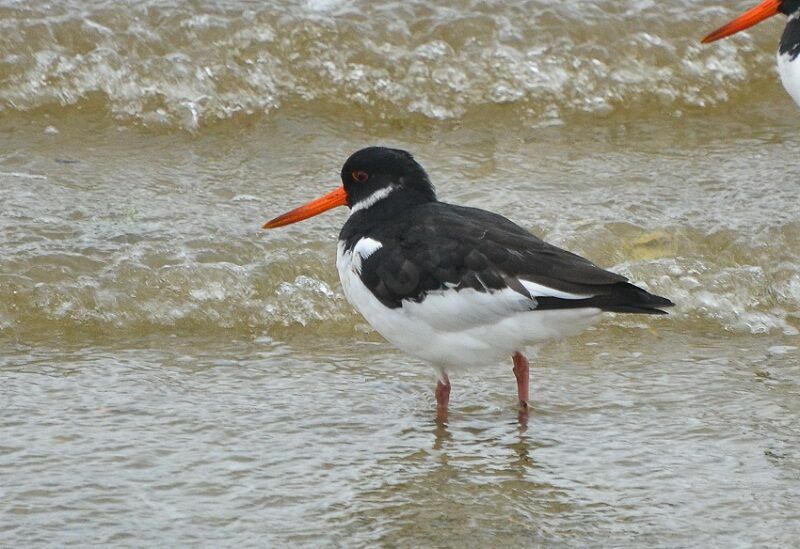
x=471 y=284
x=789 y=48
x=789 y=56
x=452 y=285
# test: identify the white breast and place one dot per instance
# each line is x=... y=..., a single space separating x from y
x=790 y=75
x=454 y=329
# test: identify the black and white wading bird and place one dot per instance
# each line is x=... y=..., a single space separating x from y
x=789 y=49
x=457 y=286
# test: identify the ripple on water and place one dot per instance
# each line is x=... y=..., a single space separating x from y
x=188 y=66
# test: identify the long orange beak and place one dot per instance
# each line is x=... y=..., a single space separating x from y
x=764 y=10
x=321 y=204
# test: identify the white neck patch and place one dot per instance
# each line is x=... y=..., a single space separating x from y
x=380 y=194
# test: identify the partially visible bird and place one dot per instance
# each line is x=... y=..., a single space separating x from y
x=789 y=48
x=457 y=286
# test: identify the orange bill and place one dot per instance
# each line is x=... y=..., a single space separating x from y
x=321 y=204
x=764 y=10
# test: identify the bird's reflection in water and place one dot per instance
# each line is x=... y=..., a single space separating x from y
x=441 y=434
x=521 y=449
x=522 y=419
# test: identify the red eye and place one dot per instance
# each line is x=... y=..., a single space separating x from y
x=361 y=177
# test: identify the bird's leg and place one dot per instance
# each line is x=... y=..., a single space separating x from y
x=442 y=396
x=442 y=391
x=521 y=371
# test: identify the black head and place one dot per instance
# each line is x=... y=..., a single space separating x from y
x=368 y=177
x=375 y=172
x=788 y=7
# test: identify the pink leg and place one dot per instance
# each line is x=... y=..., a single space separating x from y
x=442 y=397
x=521 y=371
x=443 y=391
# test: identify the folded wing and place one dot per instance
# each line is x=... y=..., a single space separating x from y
x=496 y=267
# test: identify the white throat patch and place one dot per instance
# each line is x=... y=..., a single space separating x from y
x=380 y=194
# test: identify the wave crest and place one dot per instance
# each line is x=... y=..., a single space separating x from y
x=183 y=68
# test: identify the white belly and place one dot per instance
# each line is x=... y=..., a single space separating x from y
x=466 y=340
x=790 y=75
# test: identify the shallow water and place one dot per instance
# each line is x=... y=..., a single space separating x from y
x=171 y=374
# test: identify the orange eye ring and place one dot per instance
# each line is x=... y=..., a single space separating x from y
x=360 y=176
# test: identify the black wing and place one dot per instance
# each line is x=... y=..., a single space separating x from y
x=437 y=246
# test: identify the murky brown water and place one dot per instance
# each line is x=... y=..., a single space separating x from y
x=173 y=375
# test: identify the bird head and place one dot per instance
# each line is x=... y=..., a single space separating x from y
x=368 y=177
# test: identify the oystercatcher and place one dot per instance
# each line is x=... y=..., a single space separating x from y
x=789 y=49
x=452 y=285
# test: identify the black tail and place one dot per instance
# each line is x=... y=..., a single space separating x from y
x=622 y=297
